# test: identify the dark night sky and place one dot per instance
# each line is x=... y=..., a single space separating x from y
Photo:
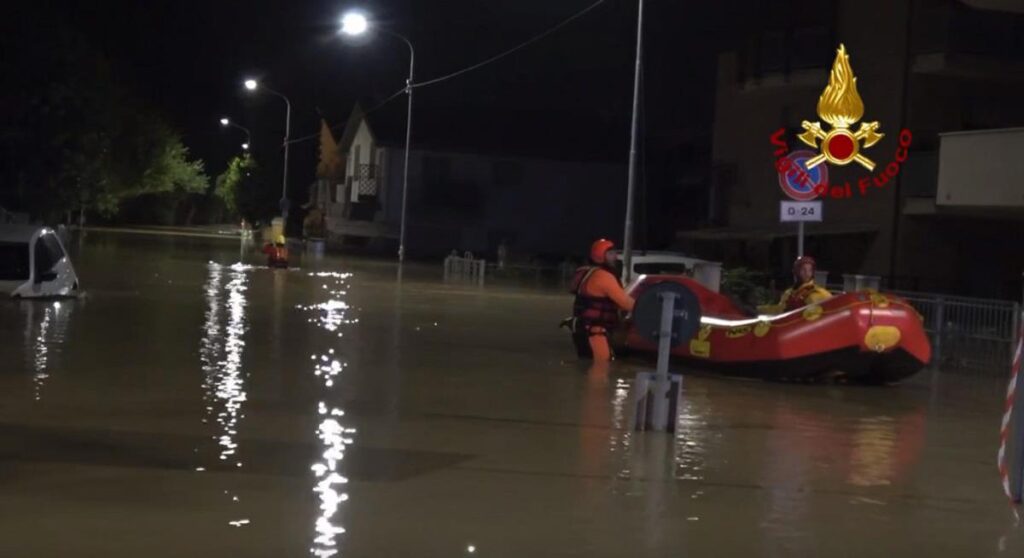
x=187 y=59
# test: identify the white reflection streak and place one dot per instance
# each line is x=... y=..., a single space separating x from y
x=41 y=355
x=620 y=438
x=330 y=315
x=690 y=442
x=230 y=385
x=209 y=347
x=221 y=356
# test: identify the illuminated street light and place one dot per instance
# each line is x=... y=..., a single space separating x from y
x=251 y=85
x=225 y=121
x=355 y=23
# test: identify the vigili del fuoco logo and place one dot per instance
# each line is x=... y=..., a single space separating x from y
x=841 y=108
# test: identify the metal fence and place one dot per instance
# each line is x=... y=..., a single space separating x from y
x=464 y=268
x=969 y=333
x=976 y=334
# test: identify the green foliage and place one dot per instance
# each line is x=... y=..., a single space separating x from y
x=746 y=286
x=244 y=192
x=81 y=140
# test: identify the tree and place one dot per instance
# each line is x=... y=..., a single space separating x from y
x=243 y=190
x=80 y=140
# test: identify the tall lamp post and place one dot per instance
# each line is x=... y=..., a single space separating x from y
x=252 y=85
x=355 y=24
x=248 y=136
x=627 y=236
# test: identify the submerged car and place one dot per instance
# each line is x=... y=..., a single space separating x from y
x=34 y=264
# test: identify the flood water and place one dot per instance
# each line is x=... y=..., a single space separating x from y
x=195 y=405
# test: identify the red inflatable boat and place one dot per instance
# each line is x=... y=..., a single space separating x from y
x=863 y=337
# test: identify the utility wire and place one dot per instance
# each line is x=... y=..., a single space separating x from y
x=342 y=124
x=520 y=46
x=467 y=69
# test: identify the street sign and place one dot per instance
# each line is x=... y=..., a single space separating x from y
x=797 y=181
x=794 y=211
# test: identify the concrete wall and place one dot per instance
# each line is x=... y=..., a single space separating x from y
x=982 y=169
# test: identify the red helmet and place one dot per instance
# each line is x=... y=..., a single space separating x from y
x=801 y=261
x=599 y=250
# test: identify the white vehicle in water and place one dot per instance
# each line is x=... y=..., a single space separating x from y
x=34 y=264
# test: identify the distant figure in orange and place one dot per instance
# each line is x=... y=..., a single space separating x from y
x=599 y=298
x=277 y=252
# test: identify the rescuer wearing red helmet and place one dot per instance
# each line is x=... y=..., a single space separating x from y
x=599 y=297
x=804 y=290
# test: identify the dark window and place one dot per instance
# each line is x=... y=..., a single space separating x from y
x=44 y=260
x=773 y=51
x=14 y=261
x=668 y=268
x=53 y=246
x=506 y=173
x=436 y=170
x=812 y=48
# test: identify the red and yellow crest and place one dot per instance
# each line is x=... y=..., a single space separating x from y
x=841 y=106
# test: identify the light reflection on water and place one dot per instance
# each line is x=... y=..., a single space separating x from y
x=332 y=434
x=690 y=439
x=46 y=342
x=220 y=353
x=874 y=446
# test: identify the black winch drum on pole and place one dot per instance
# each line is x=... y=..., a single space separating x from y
x=668 y=314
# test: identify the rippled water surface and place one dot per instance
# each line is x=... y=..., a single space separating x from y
x=196 y=403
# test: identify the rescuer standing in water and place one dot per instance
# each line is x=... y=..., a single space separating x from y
x=599 y=298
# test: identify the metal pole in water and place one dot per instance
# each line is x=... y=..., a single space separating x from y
x=800 y=240
x=627 y=235
x=661 y=389
x=668 y=303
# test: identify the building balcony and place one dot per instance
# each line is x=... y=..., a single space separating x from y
x=363 y=182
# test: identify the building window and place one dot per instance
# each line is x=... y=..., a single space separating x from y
x=506 y=173
x=436 y=169
x=773 y=52
x=812 y=48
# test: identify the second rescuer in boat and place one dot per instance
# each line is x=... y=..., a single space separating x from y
x=803 y=292
x=599 y=298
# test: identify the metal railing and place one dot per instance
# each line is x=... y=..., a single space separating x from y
x=970 y=333
x=362 y=182
x=464 y=268
x=965 y=332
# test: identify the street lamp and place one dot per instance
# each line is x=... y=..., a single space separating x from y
x=252 y=85
x=248 y=136
x=627 y=234
x=355 y=23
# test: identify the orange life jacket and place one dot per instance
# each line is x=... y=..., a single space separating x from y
x=589 y=310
